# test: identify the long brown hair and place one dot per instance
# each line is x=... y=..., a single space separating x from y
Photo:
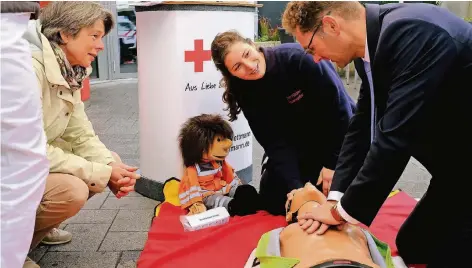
x=219 y=49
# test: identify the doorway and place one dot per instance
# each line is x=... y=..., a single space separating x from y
x=122 y=41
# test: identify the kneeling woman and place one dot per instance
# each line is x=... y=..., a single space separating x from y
x=298 y=110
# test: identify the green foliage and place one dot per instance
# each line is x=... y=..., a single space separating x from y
x=468 y=19
x=267 y=32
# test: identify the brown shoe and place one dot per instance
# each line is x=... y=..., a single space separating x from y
x=29 y=263
x=57 y=237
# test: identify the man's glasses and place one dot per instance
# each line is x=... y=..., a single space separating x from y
x=315 y=30
x=309 y=49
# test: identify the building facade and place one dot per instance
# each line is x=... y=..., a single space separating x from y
x=119 y=59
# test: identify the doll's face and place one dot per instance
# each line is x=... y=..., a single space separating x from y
x=299 y=197
x=219 y=149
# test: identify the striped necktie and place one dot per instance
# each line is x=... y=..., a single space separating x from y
x=372 y=100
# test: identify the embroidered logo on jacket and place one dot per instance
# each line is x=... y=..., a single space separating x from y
x=296 y=96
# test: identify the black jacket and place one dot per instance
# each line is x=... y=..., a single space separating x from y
x=299 y=112
x=421 y=62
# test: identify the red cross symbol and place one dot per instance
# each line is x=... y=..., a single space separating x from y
x=198 y=56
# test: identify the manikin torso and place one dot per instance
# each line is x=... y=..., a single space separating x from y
x=311 y=249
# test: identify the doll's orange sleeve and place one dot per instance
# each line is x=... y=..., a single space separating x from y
x=228 y=174
x=189 y=189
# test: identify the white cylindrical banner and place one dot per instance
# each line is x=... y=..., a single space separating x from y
x=178 y=80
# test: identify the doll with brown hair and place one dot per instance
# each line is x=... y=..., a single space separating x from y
x=344 y=246
x=209 y=181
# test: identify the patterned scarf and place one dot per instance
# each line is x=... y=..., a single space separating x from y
x=74 y=75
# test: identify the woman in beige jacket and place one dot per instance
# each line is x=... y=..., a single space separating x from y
x=64 y=42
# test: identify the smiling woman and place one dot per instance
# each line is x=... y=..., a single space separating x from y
x=245 y=61
x=64 y=42
x=77 y=28
x=283 y=93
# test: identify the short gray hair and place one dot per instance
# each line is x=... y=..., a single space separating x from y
x=71 y=17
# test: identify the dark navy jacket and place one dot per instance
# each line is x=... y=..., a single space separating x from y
x=299 y=112
x=421 y=62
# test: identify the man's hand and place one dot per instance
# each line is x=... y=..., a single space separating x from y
x=319 y=219
x=122 y=179
x=310 y=225
x=326 y=177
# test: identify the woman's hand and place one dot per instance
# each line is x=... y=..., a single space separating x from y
x=326 y=177
x=319 y=219
x=123 y=166
x=122 y=179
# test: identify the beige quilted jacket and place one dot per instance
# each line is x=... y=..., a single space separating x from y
x=72 y=146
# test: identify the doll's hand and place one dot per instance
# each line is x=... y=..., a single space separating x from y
x=223 y=183
x=196 y=208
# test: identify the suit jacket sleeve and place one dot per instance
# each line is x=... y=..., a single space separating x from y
x=338 y=105
x=418 y=54
x=356 y=142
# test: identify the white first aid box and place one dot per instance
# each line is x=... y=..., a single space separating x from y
x=209 y=218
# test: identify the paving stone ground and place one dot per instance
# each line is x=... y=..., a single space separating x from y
x=108 y=232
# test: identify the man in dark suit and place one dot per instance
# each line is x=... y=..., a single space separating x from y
x=415 y=61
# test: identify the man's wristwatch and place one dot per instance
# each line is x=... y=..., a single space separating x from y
x=336 y=215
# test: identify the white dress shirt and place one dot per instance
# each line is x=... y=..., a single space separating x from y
x=23 y=148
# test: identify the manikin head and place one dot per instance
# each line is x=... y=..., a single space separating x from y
x=328 y=30
x=298 y=199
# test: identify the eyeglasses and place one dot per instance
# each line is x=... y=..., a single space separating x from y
x=308 y=49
